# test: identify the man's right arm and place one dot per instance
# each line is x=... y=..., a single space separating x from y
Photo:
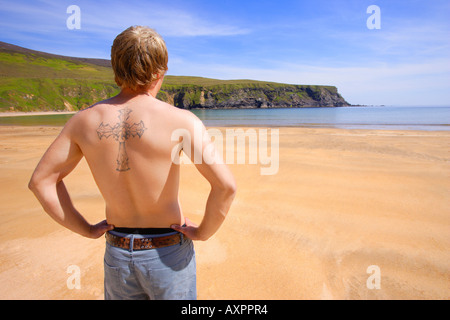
x=47 y=184
x=223 y=185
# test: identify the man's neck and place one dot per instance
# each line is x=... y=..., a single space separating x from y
x=151 y=90
x=127 y=93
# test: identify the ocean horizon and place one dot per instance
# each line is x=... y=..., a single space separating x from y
x=374 y=117
x=426 y=118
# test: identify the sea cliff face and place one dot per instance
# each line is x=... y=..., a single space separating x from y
x=252 y=95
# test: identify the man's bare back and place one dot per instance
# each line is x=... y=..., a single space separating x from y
x=128 y=147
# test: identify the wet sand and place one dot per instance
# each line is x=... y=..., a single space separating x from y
x=342 y=201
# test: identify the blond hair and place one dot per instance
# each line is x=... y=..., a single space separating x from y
x=138 y=57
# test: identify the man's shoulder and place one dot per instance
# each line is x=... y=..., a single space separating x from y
x=84 y=117
x=169 y=108
x=95 y=114
x=96 y=107
x=177 y=114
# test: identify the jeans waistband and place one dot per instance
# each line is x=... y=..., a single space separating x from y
x=152 y=231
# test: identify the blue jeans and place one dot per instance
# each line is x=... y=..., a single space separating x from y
x=167 y=273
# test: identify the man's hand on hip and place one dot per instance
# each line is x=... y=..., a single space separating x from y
x=190 y=230
x=99 y=229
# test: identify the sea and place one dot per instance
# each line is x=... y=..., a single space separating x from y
x=426 y=118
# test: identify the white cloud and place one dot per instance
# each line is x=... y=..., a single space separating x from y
x=166 y=20
x=401 y=38
x=105 y=19
x=41 y=25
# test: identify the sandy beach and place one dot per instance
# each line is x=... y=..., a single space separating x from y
x=342 y=201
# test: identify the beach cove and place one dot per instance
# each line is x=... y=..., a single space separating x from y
x=341 y=202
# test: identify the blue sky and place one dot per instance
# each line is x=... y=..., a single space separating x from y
x=406 y=62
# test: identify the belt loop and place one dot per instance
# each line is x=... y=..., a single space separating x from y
x=131 y=243
x=181 y=239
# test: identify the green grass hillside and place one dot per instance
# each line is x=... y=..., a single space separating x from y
x=36 y=81
x=32 y=80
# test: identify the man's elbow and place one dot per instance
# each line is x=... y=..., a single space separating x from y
x=232 y=188
x=229 y=188
x=33 y=185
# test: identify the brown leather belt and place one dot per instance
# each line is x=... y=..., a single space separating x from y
x=143 y=243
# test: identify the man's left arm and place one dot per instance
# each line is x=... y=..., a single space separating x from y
x=47 y=184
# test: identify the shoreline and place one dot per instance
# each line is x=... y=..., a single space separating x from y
x=34 y=113
x=59 y=118
x=319 y=129
x=395 y=132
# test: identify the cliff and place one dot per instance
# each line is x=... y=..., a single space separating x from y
x=251 y=94
x=33 y=81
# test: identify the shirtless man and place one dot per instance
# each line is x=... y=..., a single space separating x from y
x=128 y=144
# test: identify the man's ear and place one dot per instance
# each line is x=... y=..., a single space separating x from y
x=158 y=76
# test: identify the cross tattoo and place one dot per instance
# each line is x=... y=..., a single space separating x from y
x=121 y=131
